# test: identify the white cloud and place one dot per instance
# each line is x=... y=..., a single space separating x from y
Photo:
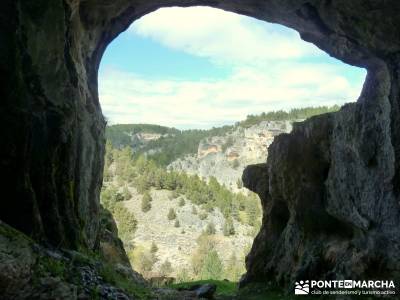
x=269 y=72
x=128 y=98
x=222 y=36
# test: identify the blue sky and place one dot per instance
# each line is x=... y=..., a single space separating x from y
x=201 y=67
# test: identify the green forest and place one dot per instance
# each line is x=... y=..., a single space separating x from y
x=292 y=115
x=144 y=174
x=120 y=135
x=172 y=145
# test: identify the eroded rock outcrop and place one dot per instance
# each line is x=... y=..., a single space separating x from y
x=225 y=156
x=329 y=209
x=30 y=271
x=52 y=134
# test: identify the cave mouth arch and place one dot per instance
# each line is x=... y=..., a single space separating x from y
x=53 y=166
x=284 y=214
x=326 y=25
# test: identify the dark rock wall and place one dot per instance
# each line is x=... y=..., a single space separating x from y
x=329 y=190
x=52 y=127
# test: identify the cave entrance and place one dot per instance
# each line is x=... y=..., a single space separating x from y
x=187 y=93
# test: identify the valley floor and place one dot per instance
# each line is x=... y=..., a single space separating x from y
x=178 y=244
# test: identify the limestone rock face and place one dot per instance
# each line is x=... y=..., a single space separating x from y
x=52 y=130
x=52 y=126
x=225 y=157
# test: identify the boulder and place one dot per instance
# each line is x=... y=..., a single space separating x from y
x=206 y=291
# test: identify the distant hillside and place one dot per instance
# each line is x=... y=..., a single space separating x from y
x=169 y=148
x=293 y=114
x=122 y=135
x=167 y=145
x=164 y=145
x=225 y=156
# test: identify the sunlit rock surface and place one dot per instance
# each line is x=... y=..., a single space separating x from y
x=225 y=157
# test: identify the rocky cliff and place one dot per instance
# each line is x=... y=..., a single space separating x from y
x=52 y=135
x=329 y=206
x=225 y=157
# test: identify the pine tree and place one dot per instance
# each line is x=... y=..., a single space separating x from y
x=142 y=184
x=108 y=158
x=253 y=211
x=177 y=224
x=126 y=221
x=147 y=196
x=212 y=267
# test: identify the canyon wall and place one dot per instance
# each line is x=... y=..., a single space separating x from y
x=225 y=156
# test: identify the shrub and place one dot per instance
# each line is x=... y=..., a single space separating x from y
x=107 y=197
x=146 y=205
x=153 y=248
x=147 y=196
x=166 y=268
x=177 y=224
x=126 y=193
x=228 y=229
x=235 y=164
x=181 y=202
x=146 y=261
x=194 y=210
x=210 y=229
x=183 y=276
x=235 y=268
x=171 y=214
x=239 y=183
x=175 y=194
x=203 y=216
